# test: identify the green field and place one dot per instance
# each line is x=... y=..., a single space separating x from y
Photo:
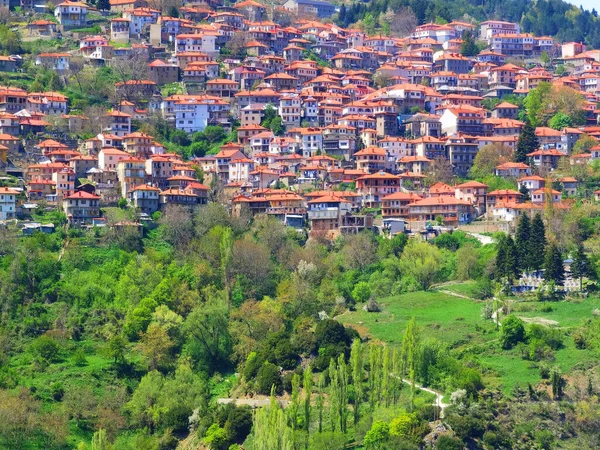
x=457 y=322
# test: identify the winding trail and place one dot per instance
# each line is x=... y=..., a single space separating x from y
x=439 y=397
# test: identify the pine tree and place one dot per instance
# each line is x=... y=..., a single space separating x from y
x=553 y=265
x=537 y=243
x=356 y=360
x=103 y=5
x=468 y=47
x=525 y=196
x=527 y=143
x=580 y=267
x=507 y=259
x=511 y=264
x=522 y=237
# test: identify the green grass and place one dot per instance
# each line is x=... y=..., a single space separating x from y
x=442 y=316
x=457 y=322
x=567 y=313
x=468 y=288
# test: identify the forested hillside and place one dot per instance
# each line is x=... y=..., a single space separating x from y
x=115 y=340
x=555 y=18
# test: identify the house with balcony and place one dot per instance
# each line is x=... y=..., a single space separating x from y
x=324 y=213
x=81 y=208
x=145 y=198
x=513 y=170
x=395 y=206
x=546 y=159
x=374 y=187
x=71 y=15
x=131 y=172
x=119 y=123
x=371 y=159
x=502 y=197
x=452 y=211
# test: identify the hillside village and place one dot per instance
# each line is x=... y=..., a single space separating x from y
x=299 y=225
x=322 y=127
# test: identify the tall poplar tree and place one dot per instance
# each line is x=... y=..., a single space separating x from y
x=409 y=352
x=342 y=374
x=308 y=382
x=295 y=401
x=270 y=429
x=537 y=242
x=334 y=396
x=320 y=399
x=385 y=376
x=357 y=363
x=522 y=237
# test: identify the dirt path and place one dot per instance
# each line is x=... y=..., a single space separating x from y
x=439 y=397
x=255 y=402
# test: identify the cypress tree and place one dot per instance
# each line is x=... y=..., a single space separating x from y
x=580 y=267
x=553 y=265
x=522 y=237
x=511 y=264
x=527 y=143
x=537 y=243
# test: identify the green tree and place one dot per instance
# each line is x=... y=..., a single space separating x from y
x=377 y=435
x=361 y=292
x=468 y=47
x=522 y=238
x=268 y=379
x=295 y=401
x=103 y=5
x=409 y=352
x=99 y=440
x=270 y=430
x=357 y=364
x=560 y=120
x=527 y=143
x=558 y=383
x=207 y=335
x=422 y=262
x=513 y=332
x=507 y=266
x=534 y=104
x=537 y=242
x=226 y=248
x=554 y=269
x=308 y=382
x=320 y=400
x=580 y=267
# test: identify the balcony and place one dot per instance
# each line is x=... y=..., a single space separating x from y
x=329 y=213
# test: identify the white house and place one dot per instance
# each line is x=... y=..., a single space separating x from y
x=8 y=200
x=191 y=115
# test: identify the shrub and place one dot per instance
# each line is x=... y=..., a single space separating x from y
x=513 y=332
x=446 y=442
x=45 y=348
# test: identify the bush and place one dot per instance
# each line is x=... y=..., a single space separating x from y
x=446 y=442
x=45 y=348
x=513 y=332
x=269 y=376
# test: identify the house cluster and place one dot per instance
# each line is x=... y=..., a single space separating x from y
x=363 y=130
